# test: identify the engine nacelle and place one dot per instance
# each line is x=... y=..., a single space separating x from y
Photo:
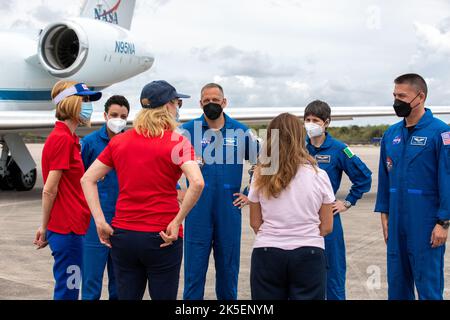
x=92 y=51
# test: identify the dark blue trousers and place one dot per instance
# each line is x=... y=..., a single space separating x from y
x=67 y=250
x=298 y=274
x=139 y=261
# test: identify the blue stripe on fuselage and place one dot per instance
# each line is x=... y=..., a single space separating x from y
x=25 y=95
x=29 y=95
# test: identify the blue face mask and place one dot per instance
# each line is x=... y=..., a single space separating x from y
x=86 y=111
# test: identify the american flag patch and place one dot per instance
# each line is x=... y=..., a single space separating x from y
x=446 y=138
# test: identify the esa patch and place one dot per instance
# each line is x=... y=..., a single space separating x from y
x=397 y=140
x=320 y=158
x=389 y=164
x=419 y=141
x=446 y=138
x=349 y=153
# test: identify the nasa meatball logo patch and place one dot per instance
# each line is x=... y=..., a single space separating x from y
x=397 y=140
x=389 y=164
x=446 y=138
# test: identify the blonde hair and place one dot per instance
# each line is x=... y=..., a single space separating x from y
x=292 y=154
x=153 y=122
x=69 y=108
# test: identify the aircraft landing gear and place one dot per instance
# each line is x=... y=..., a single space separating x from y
x=11 y=176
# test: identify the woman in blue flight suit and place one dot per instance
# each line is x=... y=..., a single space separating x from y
x=96 y=255
x=414 y=194
x=335 y=157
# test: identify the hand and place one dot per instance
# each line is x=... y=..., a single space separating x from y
x=338 y=207
x=241 y=201
x=384 y=224
x=180 y=196
x=41 y=238
x=171 y=234
x=439 y=236
x=105 y=232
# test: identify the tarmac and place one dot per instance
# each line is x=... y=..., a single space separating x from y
x=26 y=273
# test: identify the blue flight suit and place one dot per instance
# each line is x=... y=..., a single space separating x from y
x=215 y=222
x=414 y=189
x=334 y=157
x=96 y=255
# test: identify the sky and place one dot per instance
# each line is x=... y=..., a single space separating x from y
x=281 y=53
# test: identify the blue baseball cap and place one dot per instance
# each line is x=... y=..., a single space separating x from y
x=80 y=89
x=158 y=93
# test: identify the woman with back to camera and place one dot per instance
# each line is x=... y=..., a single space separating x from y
x=66 y=216
x=149 y=160
x=290 y=212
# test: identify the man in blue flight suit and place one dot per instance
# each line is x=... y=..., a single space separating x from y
x=335 y=157
x=221 y=145
x=414 y=194
x=96 y=255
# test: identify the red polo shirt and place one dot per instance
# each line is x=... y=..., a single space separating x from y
x=148 y=170
x=70 y=212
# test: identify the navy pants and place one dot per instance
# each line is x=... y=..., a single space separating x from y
x=140 y=261
x=213 y=224
x=96 y=257
x=67 y=250
x=298 y=274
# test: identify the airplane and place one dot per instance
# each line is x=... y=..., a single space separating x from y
x=96 y=48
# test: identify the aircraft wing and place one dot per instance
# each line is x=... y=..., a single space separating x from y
x=42 y=122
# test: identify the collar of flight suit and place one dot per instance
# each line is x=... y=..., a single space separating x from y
x=228 y=122
x=103 y=132
x=426 y=119
x=328 y=142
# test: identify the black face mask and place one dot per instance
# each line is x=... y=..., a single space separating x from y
x=403 y=109
x=212 y=111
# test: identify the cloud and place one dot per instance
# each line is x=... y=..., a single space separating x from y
x=254 y=64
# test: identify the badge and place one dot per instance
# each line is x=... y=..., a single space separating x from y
x=397 y=140
x=205 y=142
x=446 y=138
x=323 y=158
x=230 y=142
x=419 y=141
x=349 y=152
x=389 y=164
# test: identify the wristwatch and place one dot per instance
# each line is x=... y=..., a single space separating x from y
x=444 y=223
x=347 y=204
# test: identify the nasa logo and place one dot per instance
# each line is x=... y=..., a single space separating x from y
x=107 y=15
x=397 y=140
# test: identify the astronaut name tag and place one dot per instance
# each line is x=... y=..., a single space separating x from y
x=323 y=159
x=230 y=142
x=419 y=141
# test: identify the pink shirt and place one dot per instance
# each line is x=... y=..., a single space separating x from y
x=292 y=220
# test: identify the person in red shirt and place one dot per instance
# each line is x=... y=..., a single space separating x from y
x=66 y=216
x=146 y=238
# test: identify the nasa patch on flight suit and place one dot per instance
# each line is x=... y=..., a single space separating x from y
x=419 y=141
x=321 y=158
x=446 y=138
x=389 y=164
x=205 y=142
x=397 y=140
